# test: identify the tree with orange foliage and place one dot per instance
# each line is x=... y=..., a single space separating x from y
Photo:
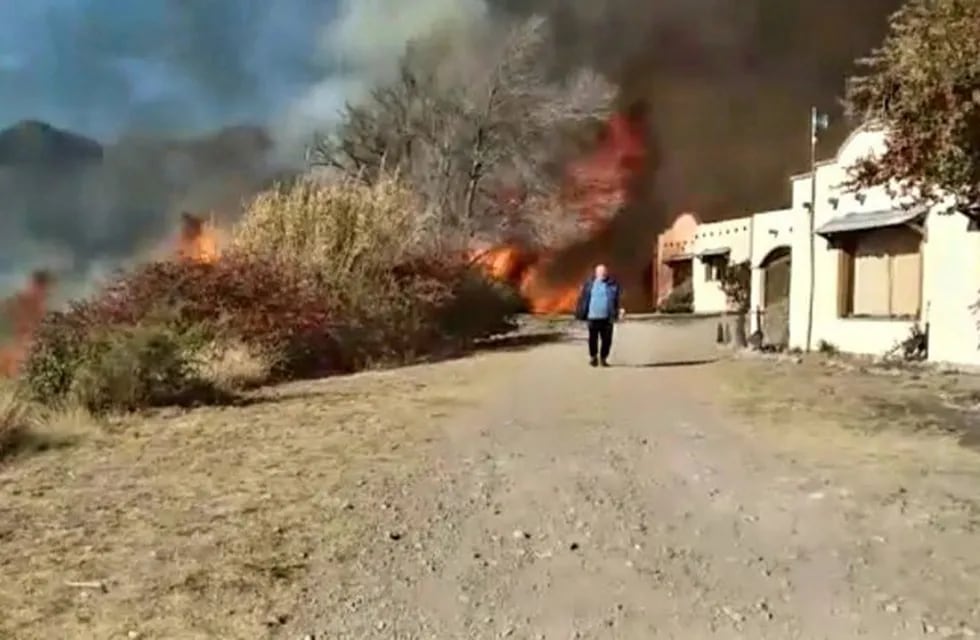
x=923 y=84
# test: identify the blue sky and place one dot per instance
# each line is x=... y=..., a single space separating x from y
x=102 y=67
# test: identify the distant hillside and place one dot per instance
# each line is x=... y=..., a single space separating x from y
x=80 y=207
x=36 y=143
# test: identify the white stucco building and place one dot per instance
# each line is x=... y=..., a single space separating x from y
x=717 y=245
x=952 y=287
x=881 y=266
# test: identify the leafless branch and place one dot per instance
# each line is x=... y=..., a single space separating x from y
x=463 y=135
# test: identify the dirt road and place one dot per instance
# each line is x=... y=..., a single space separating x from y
x=515 y=494
x=628 y=503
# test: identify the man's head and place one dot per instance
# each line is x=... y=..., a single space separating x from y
x=601 y=272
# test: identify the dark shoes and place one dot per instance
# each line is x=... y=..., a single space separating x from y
x=595 y=362
x=604 y=363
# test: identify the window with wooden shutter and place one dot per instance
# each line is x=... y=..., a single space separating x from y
x=880 y=274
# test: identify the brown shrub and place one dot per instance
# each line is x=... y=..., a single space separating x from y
x=127 y=368
x=143 y=338
x=680 y=299
x=15 y=415
x=232 y=365
x=342 y=230
x=321 y=279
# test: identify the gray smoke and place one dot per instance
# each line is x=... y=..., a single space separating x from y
x=725 y=89
x=726 y=84
x=171 y=106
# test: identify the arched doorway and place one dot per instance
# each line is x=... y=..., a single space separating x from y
x=776 y=271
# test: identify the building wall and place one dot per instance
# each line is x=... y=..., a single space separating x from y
x=854 y=335
x=950 y=265
x=952 y=282
x=734 y=235
x=677 y=240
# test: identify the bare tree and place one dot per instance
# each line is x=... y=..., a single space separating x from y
x=477 y=133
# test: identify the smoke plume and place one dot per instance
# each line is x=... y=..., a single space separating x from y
x=729 y=83
x=118 y=120
x=725 y=86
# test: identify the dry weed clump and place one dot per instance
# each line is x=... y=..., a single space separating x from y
x=399 y=286
x=233 y=364
x=342 y=229
x=320 y=279
x=26 y=427
x=15 y=418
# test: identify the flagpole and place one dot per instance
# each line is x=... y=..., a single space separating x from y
x=817 y=122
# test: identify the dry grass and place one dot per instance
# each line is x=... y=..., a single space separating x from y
x=232 y=366
x=832 y=399
x=27 y=429
x=15 y=416
x=203 y=524
x=339 y=228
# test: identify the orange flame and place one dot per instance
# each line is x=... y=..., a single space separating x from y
x=596 y=188
x=505 y=263
x=23 y=313
x=198 y=240
x=547 y=299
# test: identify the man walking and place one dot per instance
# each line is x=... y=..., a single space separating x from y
x=598 y=306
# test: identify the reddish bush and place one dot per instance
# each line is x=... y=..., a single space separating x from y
x=302 y=321
x=282 y=310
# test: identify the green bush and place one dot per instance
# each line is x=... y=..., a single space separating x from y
x=420 y=311
x=56 y=354
x=129 y=368
x=116 y=367
x=268 y=320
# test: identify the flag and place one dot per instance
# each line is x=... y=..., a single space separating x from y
x=818 y=122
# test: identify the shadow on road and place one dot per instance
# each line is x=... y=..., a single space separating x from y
x=521 y=341
x=668 y=364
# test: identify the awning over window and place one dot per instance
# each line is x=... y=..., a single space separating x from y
x=678 y=257
x=720 y=252
x=866 y=221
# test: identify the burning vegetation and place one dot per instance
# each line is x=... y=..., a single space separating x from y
x=316 y=279
x=22 y=314
x=595 y=189
x=198 y=239
x=483 y=169
x=492 y=137
x=438 y=181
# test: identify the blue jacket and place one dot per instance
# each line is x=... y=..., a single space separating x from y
x=584 y=296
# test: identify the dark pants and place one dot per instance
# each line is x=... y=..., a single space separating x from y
x=600 y=338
